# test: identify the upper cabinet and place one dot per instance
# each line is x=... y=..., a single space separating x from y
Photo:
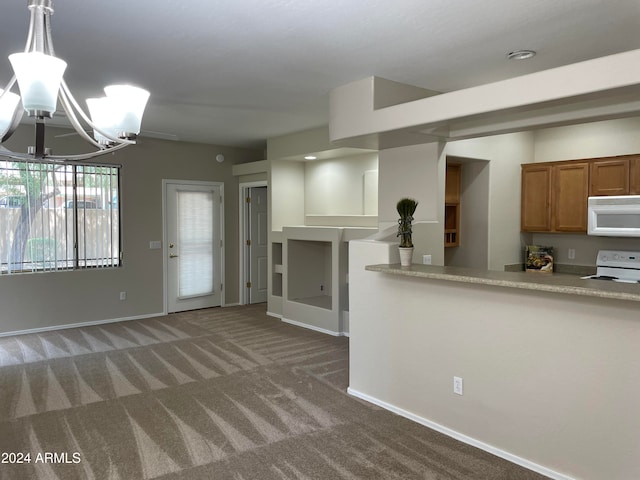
x=569 y=197
x=535 y=208
x=452 y=205
x=634 y=175
x=609 y=177
x=555 y=194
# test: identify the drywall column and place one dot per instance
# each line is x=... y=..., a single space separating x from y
x=418 y=172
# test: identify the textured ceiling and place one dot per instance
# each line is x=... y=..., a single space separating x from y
x=236 y=72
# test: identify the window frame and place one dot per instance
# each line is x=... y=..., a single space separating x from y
x=74 y=210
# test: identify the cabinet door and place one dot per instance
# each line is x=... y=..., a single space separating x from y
x=570 y=194
x=609 y=177
x=634 y=175
x=452 y=184
x=535 y=213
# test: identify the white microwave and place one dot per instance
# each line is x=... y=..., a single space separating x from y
x=615 y=216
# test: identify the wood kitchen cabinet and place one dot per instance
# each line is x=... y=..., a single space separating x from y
x=535 y=208
x=609 y=176
x=634 y=175
x=452 y=205
x=555 y=194
x=554 y=197
x=569 y=197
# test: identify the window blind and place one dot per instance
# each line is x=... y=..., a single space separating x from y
x=58 y=216
x=195 y=234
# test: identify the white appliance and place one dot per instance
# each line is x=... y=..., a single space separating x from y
x=618 y=266
x=615 y=216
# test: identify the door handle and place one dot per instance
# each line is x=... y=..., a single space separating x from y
x=172 y=255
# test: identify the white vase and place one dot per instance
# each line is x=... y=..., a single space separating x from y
x=406 y=254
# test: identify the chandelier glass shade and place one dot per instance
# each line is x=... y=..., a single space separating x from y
x=115 y=118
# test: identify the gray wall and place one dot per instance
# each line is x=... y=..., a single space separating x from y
x=42 y=300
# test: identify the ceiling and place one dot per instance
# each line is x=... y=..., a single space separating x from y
x=236 y=72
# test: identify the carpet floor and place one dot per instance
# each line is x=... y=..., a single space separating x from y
x=210 y=394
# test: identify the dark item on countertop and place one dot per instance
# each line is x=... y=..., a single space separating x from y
x=538 y=259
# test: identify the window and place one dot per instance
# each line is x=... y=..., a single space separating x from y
x=58 y=216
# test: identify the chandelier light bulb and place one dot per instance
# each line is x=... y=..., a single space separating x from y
x=103 y=117
x=128 y=105
x=8 y=104
x=39 y=92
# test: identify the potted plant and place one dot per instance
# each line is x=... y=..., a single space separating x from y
x=406 y=208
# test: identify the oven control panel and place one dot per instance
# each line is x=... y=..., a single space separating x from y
x=618 y=258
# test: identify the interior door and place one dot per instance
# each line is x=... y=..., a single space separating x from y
x=258 y=245
x=193 y=245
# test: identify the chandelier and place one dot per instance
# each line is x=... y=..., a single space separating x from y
x=115 y=118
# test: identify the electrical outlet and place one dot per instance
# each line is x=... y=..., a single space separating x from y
x=571 y=254
x=123 y=295
x=426 y=259
x=457 y=385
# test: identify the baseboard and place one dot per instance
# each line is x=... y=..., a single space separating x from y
x=276 y=315
x=82 y=324
x=461 y=437
x=312 y=327
x=231 y=305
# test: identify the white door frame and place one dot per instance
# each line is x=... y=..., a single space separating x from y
x=165 y=248
x=242 y=225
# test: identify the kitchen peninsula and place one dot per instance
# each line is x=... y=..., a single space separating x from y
x=548 y=362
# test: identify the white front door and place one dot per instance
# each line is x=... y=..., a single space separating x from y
x=193 y=245
x=257 y=245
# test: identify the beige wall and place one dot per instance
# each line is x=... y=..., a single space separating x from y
x=50 y=299
x=589 y=140
x=286 y=190
x=505 y=153
x=425 y=181
x=548 y=378
x=336 y=186
x=473 y=247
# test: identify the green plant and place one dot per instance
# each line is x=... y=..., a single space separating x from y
x=406 y=208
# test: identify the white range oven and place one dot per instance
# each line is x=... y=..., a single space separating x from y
x=617 y=266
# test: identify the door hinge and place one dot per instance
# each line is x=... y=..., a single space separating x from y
x=221 y=286
x=248 y=284
x=220 y=243
x=248 y=243
x=248 y=199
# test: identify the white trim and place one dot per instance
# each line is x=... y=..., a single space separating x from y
x=165 y=250
x=312 y=327
x=82 y=324
x=276 y=315
x=461 y=437
x=242 y=223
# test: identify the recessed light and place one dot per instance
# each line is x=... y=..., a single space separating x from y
x=521 y=54
x=310 y=157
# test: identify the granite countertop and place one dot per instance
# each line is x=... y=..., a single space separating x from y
x=547 y=282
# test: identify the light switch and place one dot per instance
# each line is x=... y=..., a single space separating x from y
x=155 y=244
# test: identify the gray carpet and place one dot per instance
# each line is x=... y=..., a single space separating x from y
x=211 y=394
